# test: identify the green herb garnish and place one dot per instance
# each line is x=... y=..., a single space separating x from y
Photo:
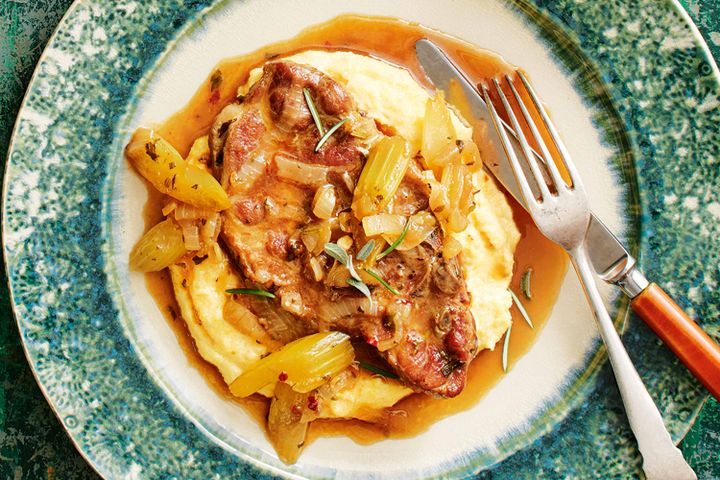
x=520 y=308
x=506 y=343
x=250 y=291
x=397 y=242
x=365 y=251
x=313 y=111
x=329 y=133
x=360 y=285
x=525 y=283
x=377 y=370
x=382 y=281
x=339 y=254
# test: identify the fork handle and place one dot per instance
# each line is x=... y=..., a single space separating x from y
x=694 y=347
x=661 y=458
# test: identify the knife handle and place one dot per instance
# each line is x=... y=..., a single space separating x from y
x=694 y=347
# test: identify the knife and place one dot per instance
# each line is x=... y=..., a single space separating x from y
x=610 y=259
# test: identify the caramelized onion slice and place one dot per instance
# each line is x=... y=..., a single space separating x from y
x=288 y=420
x=289 y=168
x=160 y=247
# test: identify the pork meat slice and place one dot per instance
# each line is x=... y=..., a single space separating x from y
x=426 y=334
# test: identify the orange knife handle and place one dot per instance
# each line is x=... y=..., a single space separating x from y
x=699 y=353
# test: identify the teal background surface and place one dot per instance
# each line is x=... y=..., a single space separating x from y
x=33 y=443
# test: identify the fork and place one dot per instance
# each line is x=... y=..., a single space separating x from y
x=563 y=215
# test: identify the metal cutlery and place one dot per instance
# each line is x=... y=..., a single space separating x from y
x=563 y=216
x=611 y=261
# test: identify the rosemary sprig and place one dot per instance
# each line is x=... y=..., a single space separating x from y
x=376 y=370
x=313 y=111
x=382 y=281
x=506 y=344
x=397 y=242
x=520 y=308
x=365 y=251
x=525 y=283
x=329 y=133
x=250 y=291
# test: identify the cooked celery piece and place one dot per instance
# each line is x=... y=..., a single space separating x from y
x=438 y=130
x=305 y=364
x=161 y=165
x=160 y=247
x=381 y=176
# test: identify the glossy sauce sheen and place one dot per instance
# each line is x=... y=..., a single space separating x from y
x=393 y=41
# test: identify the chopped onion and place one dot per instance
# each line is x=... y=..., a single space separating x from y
x=383 y=223
x=317 y=269
x=324 y=202
x=191 y=235
x=304 y=173
x=184 y=211
x=345 y=242
x=211 y=229
x=348 y=181
x=364 y=129
x=315 y=236
x=168 y=209
x=292 y=301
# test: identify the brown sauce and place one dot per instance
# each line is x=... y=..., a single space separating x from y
x=391 y=40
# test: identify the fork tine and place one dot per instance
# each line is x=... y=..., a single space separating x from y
x=527 y=192
x=564 y=155
x=547 y=157
x=529 y=157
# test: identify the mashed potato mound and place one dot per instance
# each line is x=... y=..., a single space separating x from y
x=390 y=95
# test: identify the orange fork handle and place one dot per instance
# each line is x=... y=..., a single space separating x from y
x=699 y=353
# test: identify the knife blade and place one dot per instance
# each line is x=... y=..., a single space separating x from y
x=610 y=259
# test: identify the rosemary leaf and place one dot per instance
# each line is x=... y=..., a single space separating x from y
x=313 y=111
x=250 y=291
x=376 y=370
x=382 y=281
x=506 y=343
x=525 y=283
x=365 y=251
x=521 y=309
x=329 y=133
x=397 y=242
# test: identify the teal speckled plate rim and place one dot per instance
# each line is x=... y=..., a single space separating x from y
x=58 y=289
